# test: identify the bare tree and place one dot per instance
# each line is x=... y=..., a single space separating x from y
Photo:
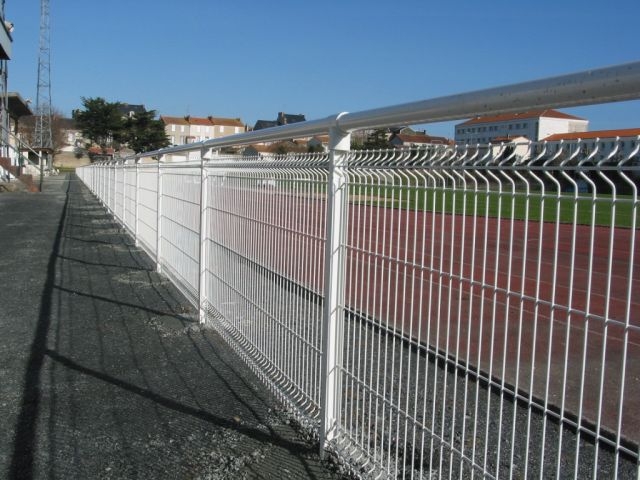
x=59 y=125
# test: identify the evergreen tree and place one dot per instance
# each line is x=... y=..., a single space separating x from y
x=143 y=132
x=100 y=121
x=103 y=123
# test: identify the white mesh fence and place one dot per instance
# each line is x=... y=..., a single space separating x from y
x=487 y=320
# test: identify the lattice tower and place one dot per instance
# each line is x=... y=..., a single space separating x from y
x=43 y=136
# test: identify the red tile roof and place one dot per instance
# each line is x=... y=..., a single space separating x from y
x=421 y=138
x=413 y=138
x=506 y=117
x=206 y=121
x=627 y=132
x=173 y=120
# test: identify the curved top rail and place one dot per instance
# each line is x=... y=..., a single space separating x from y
x=603 y=85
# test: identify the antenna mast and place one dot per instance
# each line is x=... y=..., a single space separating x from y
x=43 y=136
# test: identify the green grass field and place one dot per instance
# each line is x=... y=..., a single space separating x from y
x=564 y=207
x=599 y=209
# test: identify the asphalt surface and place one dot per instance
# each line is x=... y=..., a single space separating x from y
x=104 y=369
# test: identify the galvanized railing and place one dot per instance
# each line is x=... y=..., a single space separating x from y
x=433 y=312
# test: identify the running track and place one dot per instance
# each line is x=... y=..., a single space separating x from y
x=472 y=288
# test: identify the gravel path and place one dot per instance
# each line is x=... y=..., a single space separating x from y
x=104 y=371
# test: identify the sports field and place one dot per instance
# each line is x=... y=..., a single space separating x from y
x=542 y=308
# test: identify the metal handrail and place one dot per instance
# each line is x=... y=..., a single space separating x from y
x=604 y=85
x=21 y=143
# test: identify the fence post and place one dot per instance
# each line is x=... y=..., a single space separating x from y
x=334 y=284
x=107 y=168
x=125 y=173
x=101 y=184
x=202 y=263
x=136 y=203
x=159 y=216
x=123 y=168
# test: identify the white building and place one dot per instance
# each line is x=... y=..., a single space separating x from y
x=516 y=147
x=533 y=125
x=181 y=130
x=602 y=144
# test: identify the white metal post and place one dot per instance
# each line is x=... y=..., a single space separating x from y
x=334 y=284
x=159 y=216
x=124 y=194
x=137 y=202
x=108 y=187
x=202 y=264
x=123 y=174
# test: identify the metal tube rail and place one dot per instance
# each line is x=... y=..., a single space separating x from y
x=603 y=85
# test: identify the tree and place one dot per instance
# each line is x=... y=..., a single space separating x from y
x=143 y=132
x=376 y=140
x=103 y=123
x=100 y=121
x=27 y=127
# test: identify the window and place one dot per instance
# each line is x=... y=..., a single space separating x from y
x=221 y=129
x=173 y=128
x=182 y=128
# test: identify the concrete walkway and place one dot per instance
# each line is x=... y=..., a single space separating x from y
x=104 y=372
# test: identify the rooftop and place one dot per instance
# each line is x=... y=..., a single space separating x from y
x=626 y=132
x=506 y=117
x=206 y=121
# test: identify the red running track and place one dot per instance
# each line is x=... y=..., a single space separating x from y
x=524 y=302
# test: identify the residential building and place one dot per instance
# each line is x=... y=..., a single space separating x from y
x=514 y=148
x=128 y=110
x=188 y=129
x=17 y=109
x=400 y=140
x=533 y=125
x=72 y=138
x=319 y=143
x=6 y=47
x=602 y=144
x=283 y=119
x=262 y=124
x=272 y=149
x=258 y=150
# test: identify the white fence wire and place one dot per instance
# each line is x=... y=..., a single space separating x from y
x=433 y=312
x=488 y=323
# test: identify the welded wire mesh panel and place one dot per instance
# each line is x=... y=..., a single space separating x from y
x=491 y=327
x=106 y=174
x=112 y=186
x=180 y=226
x=148 y=206
x=264 y=269
x=488 y=319
x=119 y=191
x=129 y=210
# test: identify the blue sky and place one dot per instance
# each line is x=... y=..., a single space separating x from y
x=252 y=59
